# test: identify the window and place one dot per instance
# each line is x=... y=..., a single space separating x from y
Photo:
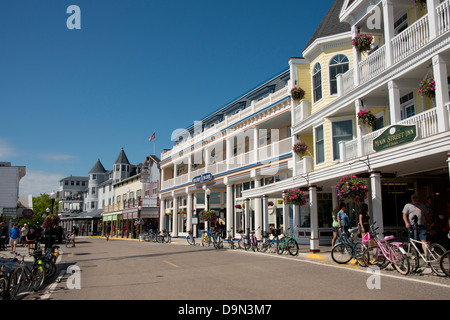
x=407 y=108
x=320 y=145
x=342 y=131
x=338 y=65
x=93 y=190
x=401 y=24
x=317 y=82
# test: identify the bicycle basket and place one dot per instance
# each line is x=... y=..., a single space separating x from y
x=366 y=238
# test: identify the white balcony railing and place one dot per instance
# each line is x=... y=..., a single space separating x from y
x=373 y=65
x=443 y=17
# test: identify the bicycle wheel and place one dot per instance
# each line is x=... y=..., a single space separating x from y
x=399 y=260
x=190 y=240
x=3 y=288
x=281 y=246
x=264 y=245
x=357 y=252
x=50 y=268
x=339 y=254
x=436 y=251
x=373 y=256
x=69 y=243
x=12 y=286
x=219 y=242
x=37 y=276
x=444 y=263
x=413 y=256
x=292 y=247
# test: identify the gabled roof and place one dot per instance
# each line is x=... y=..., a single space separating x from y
x=122 y=158
x=97 y=168
x=331 y=23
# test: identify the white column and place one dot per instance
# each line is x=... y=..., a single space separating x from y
x=432 y=19
x=162 y=214
x=359 y=128
x=285 y=214
x=388 y=20
x=314 y=218
x=229 y=152
x=259 y=220
x=356 y=58
x=265 y=201
x=255 y=144
x=296 y=215
x=189 y=211
x=440 y=76
x=230 y=209
x=175 y=218
x=247 y=216
x=394 y=102
x=377 y=209
x=448 y=161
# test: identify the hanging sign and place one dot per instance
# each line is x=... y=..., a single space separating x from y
x=393 y=136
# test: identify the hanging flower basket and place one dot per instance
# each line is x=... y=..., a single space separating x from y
x=182 y=212
x=295 y=196
x=420 y=3
x=209 y=216
x=350 y=188
x=270 y=204
x=238 y=206
x=366 y=117
x=300 y=148
x=51 y=221
x=427 y=87
x=297 y=93
x=362 y=42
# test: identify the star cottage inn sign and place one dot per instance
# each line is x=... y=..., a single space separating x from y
x=394 y=136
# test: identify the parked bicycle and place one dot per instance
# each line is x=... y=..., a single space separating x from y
x=8 y=279
x=190 y=238
x=206 y=238
x=288 y=243
x=384 y=252
x=444 y=263
x=230 y=239
x=244 y=242
x=347 y=248
x=420 y=259
x=149 y=236
x=217 y=240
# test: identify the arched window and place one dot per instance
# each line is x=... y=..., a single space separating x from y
x=317 y=82
x=339 y=64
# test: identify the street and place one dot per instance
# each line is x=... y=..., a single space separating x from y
x=132 y=270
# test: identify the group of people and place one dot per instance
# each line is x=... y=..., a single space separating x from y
x=27 y=236
x=419 y=219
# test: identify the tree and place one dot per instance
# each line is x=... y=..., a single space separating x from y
x=40 y=205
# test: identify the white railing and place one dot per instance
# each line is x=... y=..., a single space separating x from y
x=411 y=39
x=348 y=81
x=427 y=123
x=373 y=65
x=443 y=17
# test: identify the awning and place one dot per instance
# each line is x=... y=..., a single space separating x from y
x=87 y=215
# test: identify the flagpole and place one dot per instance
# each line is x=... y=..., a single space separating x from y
x=154 y=144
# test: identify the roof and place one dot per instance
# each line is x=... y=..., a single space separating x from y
x=122 y=158
x=97 y=168
x=331 y=23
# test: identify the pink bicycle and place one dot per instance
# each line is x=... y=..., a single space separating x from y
x=384 y=252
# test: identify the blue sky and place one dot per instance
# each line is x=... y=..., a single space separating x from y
x=69 y=97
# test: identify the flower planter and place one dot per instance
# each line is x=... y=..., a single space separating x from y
x=350 y=188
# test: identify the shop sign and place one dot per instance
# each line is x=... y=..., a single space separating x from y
x=28 y=213
x=394 y=136
x=203 y=178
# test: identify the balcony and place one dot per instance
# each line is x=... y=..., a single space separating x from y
x=426 y=124
x=402 y=47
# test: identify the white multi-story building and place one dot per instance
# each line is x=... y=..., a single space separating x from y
x=9 y=189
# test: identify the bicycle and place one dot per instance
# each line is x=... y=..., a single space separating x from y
x=8 y=279
x=244 y=241
x=33 y=277
x=164 y=237
x=347 y=249
x=190 y=238
x=149 y=236
x=217 y=240
x=288 y=243
x=206 y=238
x=385 y=252
x=230 y=240
x=431 y=257
x=70 y=241
x=444 y=263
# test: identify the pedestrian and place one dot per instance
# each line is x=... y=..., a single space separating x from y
x=364 y=218
x=335 y=225
x=343 y=219
x=31 y=240
x=23 y=234
x=414 y=218
x=14 y=237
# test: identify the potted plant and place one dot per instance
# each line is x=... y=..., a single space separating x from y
x=270 y=204
x=297 y=93
x=362 y=42
x=300 y=148
x=366 y=117
x=209 y=216
x=295 y=196
x=427 y=87
x=350 y=188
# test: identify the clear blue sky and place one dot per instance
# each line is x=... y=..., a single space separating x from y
x=69 y=97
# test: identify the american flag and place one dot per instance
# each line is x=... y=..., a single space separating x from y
x=152 y=137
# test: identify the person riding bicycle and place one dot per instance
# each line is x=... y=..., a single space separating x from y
x=72 y=235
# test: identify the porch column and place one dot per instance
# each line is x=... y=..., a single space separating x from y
x=432 y=19
x=175 y=217
x=247 y=216
x=440 y=76
x=162 y=214
x=314 y=217
x=229 y=152
x=265 y=200
x=189 y=211
x=389 y=33
x=448 y=161
x=259 y=219
x=255 y=145
x=377 y=209
x=285 y=213
x=356 y=58
x=394 y=103
x=359 y=128
x=296 y=215
x=230 y=208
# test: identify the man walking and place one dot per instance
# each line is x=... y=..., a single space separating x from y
x=14 y=235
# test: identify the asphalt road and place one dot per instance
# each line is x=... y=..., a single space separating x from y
x=131 y=270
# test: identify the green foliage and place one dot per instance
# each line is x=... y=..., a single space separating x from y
x=40 y=204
